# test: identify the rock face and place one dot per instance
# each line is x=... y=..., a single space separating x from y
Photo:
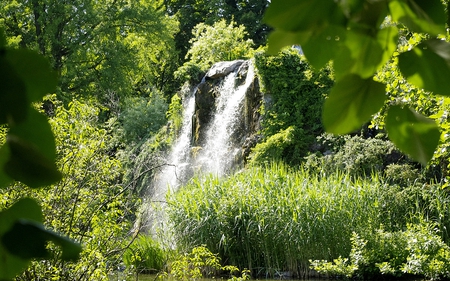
x=244 y=134
x=222 y=69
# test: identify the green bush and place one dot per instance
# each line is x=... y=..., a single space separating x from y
x=402 y=174
x=145 y=255
x=417 y=251
x=273 y=149
x=202 y=263
x=142 y=117
x=357 y=156
x=294 y=95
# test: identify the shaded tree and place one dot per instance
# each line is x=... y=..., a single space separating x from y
x=248 y=13
x=96 y=46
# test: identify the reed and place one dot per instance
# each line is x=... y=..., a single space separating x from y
x=276 y=219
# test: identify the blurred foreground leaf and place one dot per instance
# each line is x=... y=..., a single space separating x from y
x=351 y=103
x=413 y=133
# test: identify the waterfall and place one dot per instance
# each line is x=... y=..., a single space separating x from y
x=172 y=175
x=219 y=152
x=222 y=140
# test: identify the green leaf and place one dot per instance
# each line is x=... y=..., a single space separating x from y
x=279 y=39
x=360 y=54
x=427 y=66
x=38 y=131
x=351 y=103
x=28 y=239
x=365 y=15
x=5 y=180
x=28 y=165
x=294 y=15
x=413 y=133
x=11 y=265
x=23 y=237
x=32 y=152
x=388 y=40
x=13 y=95
x=323 y=45
x=35 y=71
x=423 y=16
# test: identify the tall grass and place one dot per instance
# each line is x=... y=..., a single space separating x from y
x=276 y=219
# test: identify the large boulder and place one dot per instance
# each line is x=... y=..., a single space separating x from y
x=223 y=68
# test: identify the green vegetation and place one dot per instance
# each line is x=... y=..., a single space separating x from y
x=277 y=219
x=91 y=99
x=361 y=37
x=292 y=117
x=145 y=255
x=210 y=44
x=417 y=251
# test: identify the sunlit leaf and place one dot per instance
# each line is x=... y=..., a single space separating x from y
x=388 y=40
x=413 y=133
x=13 y=95
x=279 y=39
x=35 y=72
x=323 y=45
x=360 y=54
x=301 y=15
x=351 y=102
x=427 y=66
x=423 y=16
x=5 y=180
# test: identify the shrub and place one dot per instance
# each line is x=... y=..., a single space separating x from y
x=273 y=148
x=357 y=156
x=402 y=174
x=201 y=263
x=417 y=250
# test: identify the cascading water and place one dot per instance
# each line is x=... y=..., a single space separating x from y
x=219 y=147
x=219 y=152
x=172 y=175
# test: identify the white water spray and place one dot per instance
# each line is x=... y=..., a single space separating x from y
x=217 y=154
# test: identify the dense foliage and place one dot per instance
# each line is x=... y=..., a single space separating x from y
x=211 y=44
x=294 y=95
x=248 y=13
x=87 y=153
x=360 y=37
x=276 y=219
x=97 y=47
x=89 y=204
